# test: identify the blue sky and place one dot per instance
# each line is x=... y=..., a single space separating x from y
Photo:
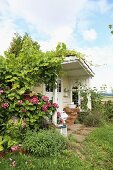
x=82 y=25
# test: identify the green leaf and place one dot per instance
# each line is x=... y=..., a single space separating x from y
x=15 y=86
x=1 y=148
x=21 y=91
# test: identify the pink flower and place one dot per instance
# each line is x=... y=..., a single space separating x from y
x=55 y=105
x=48 y=104
x=58 y=114
x=62 y=121
x=20 y=102
x=34 y=100
x=45 y=98
x=1 y=91
x=44 y=108
x=5 y=105
x=14 y=148
x=24 y=110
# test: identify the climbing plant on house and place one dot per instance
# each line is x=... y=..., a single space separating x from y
x=24 y=65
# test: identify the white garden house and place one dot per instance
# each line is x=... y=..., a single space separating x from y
x=76 y=73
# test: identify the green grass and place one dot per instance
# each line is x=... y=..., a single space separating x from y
x=67 y=161
x=98 y=148
x=96 y=154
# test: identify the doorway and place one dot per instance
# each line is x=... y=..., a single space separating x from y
x=75 y=96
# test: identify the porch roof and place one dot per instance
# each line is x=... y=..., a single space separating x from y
x=76 y=67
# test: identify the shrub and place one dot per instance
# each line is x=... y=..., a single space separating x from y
x=94 y=118
x=82 y=116
x=108 y=110
x=44 y=142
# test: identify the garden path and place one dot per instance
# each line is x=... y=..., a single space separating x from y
x=79 y=131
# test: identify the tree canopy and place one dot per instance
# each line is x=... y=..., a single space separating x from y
x=25 y=65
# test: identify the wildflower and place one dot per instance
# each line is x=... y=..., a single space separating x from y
x=14 y=148
x=5 y=105
x=45 y=98
x=55 y=105
x=10 y=159
x=20 y=102
x=44 y=108
x=1 y=91
x=13 y=164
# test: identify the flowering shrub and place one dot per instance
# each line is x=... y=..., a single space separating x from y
x=19 y=112
x=29 y=107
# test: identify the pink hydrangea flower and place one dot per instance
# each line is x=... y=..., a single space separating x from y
x=20 y=102
x=48 y=104
x=44 y=108
x=5 y=105
x=55 y=105
x=1 y=91
x=34 y=100
x=45 y=98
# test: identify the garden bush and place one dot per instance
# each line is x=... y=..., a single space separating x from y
x=82 y=115
x=44 y=142
x=94 y=118
x=108 y=110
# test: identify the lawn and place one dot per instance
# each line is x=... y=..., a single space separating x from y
x=96 y=153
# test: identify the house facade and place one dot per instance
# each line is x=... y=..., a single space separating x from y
x=76 y=73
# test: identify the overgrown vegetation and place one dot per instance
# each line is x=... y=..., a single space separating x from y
x=44 y=143
x=24 y=113
x=23 y=66
x=96 y=153
x=100 y=112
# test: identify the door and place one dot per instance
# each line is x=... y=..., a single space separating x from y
x=75 y=96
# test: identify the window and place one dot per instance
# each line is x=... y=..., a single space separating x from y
x=50 y=89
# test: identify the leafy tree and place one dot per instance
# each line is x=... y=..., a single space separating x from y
x=111 y=28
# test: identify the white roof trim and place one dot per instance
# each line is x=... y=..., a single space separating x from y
x=83 y=63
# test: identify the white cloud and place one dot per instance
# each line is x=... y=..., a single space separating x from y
x=104 y=6
x=62 y=34
x=47 y=15
x=102 y=59
x=7 y=29
x=90 y=35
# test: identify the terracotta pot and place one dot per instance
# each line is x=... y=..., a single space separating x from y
x=72 y=115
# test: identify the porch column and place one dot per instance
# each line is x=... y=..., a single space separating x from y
x=89 y=94
x=89 y=101
x=54 y=117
